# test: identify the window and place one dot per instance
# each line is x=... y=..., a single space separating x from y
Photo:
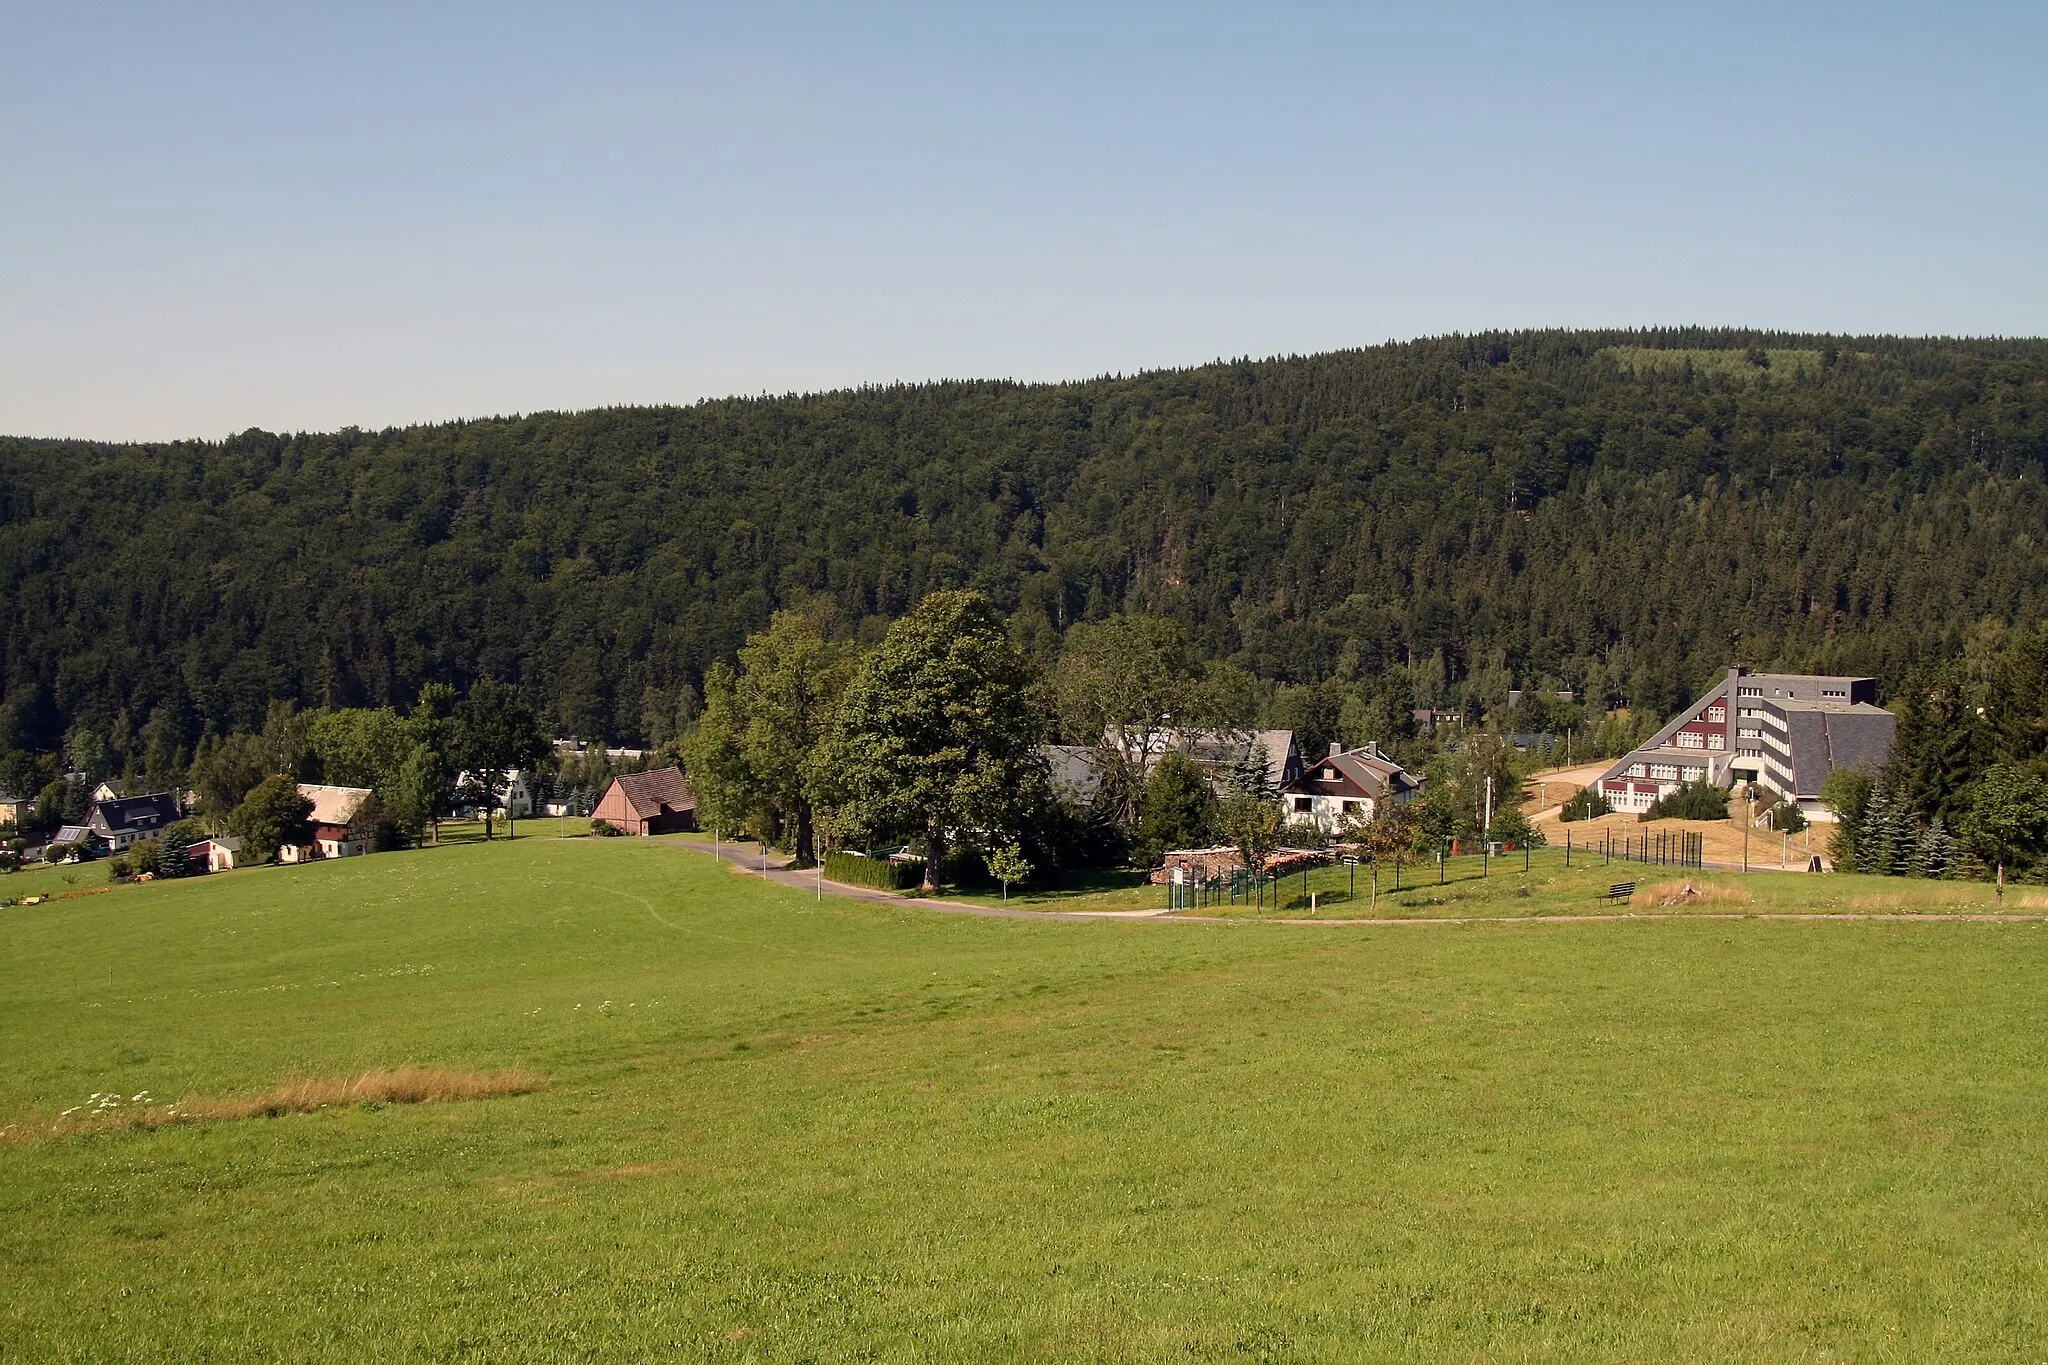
x=1716 y=742
x=1329 y=774
x=1748 y=732
x=1688 y=740
x=1664 y=772
x=1717 y=714
x=1749 y=713
x=1833 y=692
x=1749 y=691
x=1304 y=804
x=1353 y=807
x=1635 y=770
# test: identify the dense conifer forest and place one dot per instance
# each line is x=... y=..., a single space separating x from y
x=1621 y=513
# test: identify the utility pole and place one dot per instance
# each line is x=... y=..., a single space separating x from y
x=1489 y=810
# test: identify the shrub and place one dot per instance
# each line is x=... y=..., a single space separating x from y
x=146 y=855
x=877 y=874
x=1787 y=818
x=1691 y=801
x=605 y=829
x=1586 y=804
x=1302 y=834
x=1510 y=826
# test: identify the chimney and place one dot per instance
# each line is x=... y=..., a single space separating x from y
x=1336 y=747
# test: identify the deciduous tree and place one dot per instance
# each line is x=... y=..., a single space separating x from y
x=937 y=737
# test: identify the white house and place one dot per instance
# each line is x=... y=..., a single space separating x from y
x=1348 y=787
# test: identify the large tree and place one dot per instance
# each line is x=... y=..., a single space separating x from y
x=272 y=816
x=2008 y=820
x=937 y=737
x=789 y=687
x=1121 y=686
x=494 y=733
x=359 y=747
x=1179 y=809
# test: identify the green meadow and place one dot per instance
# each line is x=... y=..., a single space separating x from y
x=778 y=1129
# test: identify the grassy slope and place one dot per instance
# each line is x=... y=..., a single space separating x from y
x=1473 y=886
x=867 y=1132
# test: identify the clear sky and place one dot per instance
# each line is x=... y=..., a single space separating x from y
x=300 y=216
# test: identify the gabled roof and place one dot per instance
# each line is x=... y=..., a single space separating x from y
x=118 y=813
x=334 y=805
x=649 y=794
x=1357 y=770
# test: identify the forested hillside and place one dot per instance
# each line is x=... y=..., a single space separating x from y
x=1624 y=513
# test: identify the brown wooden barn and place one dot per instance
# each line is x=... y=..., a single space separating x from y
x=660 y=802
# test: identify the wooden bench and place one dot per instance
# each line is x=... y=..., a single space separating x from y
x=1620 y=891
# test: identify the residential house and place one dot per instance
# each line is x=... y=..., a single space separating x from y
x=105 y=791
x=1349 y=786
x=1785 y=731
x=118 y=821
x=660 y=802
x=333 y=809
x=15 y=810
x=78 y=840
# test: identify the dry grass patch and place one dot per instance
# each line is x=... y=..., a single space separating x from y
x=104 y=1113
x=1694 y=893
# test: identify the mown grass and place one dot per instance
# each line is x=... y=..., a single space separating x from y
x=1503 y=887
x=774 y=1129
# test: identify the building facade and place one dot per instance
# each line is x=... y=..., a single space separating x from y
x=1785 y=731
x=1348 y=787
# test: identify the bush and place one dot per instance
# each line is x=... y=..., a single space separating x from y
x=1587 y=804
x=1510 y=826
x=146 y=855
x=1302 y=834
x=1787 y=818
x=605 y=829
x=1691 y=801
x=877 y=874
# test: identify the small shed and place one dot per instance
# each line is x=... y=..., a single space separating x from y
x=660 y=802
x=216 y=854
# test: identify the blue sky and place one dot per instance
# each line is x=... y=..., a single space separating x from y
x=303 y=217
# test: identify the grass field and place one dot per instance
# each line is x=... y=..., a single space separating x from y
x=774 y=1129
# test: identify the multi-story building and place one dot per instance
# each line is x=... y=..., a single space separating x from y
x=1786 y=731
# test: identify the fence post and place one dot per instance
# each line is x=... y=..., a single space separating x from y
x=1567 y=848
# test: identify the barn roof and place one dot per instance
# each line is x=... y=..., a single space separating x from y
x=649 y=794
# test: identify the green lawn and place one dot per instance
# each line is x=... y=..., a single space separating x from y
x=775 y=1129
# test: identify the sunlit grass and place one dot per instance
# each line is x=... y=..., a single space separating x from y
x=779 y=1129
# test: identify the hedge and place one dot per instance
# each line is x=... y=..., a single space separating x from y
x=877 y=874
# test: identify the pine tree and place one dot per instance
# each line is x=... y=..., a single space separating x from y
x=1934 y=856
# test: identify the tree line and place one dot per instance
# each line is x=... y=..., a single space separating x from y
x=1360 y=534
x=1965 y=790
x=934 y=739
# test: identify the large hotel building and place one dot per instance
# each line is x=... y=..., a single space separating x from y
x=1785 y=731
